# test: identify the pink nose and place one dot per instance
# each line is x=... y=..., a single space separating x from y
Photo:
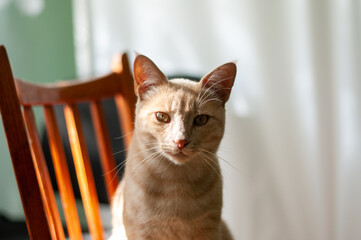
x=181 y=143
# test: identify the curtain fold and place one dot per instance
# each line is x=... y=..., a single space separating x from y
x=293 y=121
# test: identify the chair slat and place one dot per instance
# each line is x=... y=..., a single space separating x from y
x=23 y=164
x=105 y=150
x=125 y=101
x=83 y=171
x=125 y=113
x=62 y=174
x=43 y=175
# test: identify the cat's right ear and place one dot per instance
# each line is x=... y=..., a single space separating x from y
x=146 y=75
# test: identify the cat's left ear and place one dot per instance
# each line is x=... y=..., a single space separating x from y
x=221 y=80
x=146 y=75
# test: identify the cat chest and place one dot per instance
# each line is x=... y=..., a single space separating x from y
x=175 y=228
x=184 y=202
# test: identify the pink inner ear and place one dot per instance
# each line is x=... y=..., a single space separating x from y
x=146 y=75
x=221 y=80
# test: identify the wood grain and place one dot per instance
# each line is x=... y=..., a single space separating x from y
x=69 y=91
x=125 y=100
x=43 y=175
x=23 y=164
x=30 y=169
x=62 y=174
x=83 y=171
x=104 y=147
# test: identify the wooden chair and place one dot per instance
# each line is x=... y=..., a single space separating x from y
x=17 y=99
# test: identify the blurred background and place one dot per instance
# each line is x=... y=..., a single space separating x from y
x=293 y=132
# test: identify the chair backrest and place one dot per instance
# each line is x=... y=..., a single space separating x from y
x=17 y=99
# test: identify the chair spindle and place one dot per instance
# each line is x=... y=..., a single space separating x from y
x=62 y=174
x=83 y=171
x=43 y=174
x=105 y=150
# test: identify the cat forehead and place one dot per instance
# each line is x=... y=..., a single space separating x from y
x=184 y=88
x=185 y=83
x=178 y=94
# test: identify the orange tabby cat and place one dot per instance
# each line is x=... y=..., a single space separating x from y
x=172 y=185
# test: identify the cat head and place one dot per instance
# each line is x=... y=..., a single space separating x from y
x=181 y=119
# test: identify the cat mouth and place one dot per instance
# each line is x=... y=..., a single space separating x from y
x=179 y=157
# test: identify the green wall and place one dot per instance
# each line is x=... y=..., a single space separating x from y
x=40 y=49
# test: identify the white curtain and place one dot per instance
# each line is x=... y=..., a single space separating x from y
x=293 y=134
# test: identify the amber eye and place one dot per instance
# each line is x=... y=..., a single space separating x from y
x=162 y=117
x=201 y=120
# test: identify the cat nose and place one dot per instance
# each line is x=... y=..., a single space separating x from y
x=181 y=143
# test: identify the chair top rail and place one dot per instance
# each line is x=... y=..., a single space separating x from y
x=70 y=91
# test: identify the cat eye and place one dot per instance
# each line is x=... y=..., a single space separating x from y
x=162 y=117
x=200 y=120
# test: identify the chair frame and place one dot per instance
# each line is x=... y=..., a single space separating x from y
x=16 y=101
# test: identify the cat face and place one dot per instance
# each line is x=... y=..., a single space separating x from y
x=178 y=118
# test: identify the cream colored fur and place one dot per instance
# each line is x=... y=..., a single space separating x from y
x=165 y=194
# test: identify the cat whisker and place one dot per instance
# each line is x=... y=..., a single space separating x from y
x=200 y=91
x=124 y=135
x=208 y=100
x=121 y=165
x=126 y=149
x=204 y=85
x=165 y=170
x=131 y=170
x=208 y=161
x=216 y=155
x=209 y=88
x=116 y=174
x=115 y=168
x=227 y=151
x=219 y=81
x=138 y=165
x=212 y=92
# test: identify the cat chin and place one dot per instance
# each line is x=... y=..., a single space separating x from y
x=178 y=158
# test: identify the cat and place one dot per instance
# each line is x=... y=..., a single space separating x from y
x=172 y=184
